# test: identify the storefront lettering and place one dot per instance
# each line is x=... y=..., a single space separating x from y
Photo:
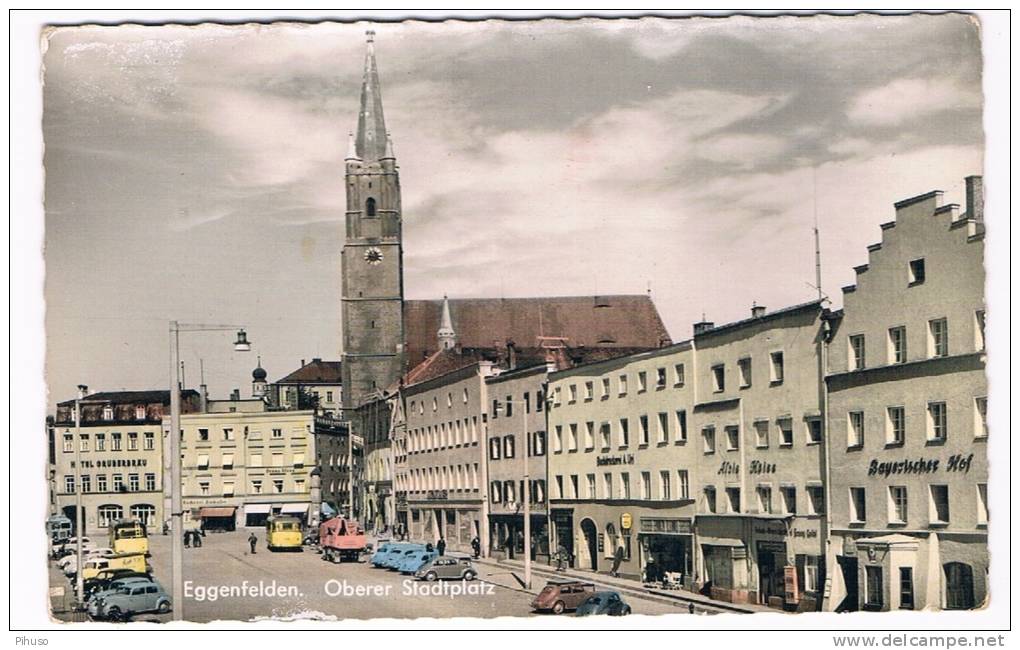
x=729 y=468
x=761 y=467
x=782 y=531
x=661 y=525
x=956 y=463
x=114 y=462
x=436 y=495
x=618 y=459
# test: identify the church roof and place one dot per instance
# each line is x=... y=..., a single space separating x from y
x=316 y=372
x=621 y=321
x=371 y=140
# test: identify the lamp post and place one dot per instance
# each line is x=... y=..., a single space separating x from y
x=527 y=492
x=78 y=517
x=176 y=497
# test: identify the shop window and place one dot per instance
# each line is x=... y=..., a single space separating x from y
x=959 y=586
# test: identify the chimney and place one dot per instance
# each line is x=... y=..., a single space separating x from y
x=703 y=326
x=757 y=311
x=975 y=198
x=302 y=363
x=203 y=398
x=235 y=395
x=316 y=360
x=83 y=391
x=511 y=353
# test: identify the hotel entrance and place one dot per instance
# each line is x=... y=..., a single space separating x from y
x=771 y=566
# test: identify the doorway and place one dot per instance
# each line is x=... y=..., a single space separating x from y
x=848 y=567
x=591 y=543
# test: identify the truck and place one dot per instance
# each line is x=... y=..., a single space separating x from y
x=341 y=539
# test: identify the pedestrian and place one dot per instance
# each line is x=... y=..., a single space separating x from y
x=252 y=540
x=617 y=560
x=441 y=546
x=429 y=547
x=196 y=539
x=187 y=539
x=476 y=546
x=561 y=558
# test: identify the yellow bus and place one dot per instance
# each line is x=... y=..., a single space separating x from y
x=283 y=532
x=128 y=536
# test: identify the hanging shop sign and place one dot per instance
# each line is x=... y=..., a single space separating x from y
x=626 y=521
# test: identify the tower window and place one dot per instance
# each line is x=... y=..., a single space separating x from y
x=370 y=207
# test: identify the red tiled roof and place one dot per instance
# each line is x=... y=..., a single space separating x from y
x=315 y=372
x=622 y=321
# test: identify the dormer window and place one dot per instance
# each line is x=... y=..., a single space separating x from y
x=139 y=412
x=370 y=207
x=107 y=412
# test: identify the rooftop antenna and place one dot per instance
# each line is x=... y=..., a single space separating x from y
x=818 y=249
x=201 y=370
x=184 y=383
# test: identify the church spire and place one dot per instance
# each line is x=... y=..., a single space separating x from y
x=447 y=337
x=370 y=144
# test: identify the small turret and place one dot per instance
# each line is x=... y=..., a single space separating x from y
x=258 y=380
x=447 y=337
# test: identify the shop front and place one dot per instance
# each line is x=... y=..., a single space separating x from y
x=723 y=569
x=455 y=523
x=563 y=534
x=506 y=537
x=788 y=556
x=667 y=550
x=221 y=518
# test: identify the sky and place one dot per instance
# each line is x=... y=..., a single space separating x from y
x=195 y=173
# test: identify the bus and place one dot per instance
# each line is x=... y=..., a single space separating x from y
x=128 y=536
x=58 y=528
x=283 y=532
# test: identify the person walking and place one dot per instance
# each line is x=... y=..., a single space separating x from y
x=252 y=540
x=187 y=539
x=441 y=546
x=476 y=546
x=196 y=539
x=617 y=561
x=561 y=558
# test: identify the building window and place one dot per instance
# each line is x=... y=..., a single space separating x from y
x=643 y=430
x=109 y=514
x=744 y=370
x=679 y=377
x=622 y=384
x=607 y=485
x=69 y=483
x=897 y=504
x=228 y=488
x=606 y=435
x=895 y=425
x=938 y=338
x=203 y=435
x=873 y=587
x=107 y=412
x=625 y=485
x=785 y=432
x=937 y=422
x=256 y=486
x=789 y=494
x=496 y=490
x=278 y=486
x=624 y=433
x=509 y=406
x=133 y=483
x=982 y=504
x=508 y=446
x=979 y=330
x=494 y=449
x=855 y=429
x=660 y=377
x=718 y=378
x=776 y=369
x=150 y=482
x=101 y=482
x=663 y=427
x=527 y=402
x=203 y=461
x=710 y=505
x=938 y=505
x=642 y=381
x=646 y=485
x=980 y=417
x=299 y=485
x=84 y=442
x=118 y=483
x=370 y=207
x=538 y=447
x=858 y=507
x=68 y=443
x=575 y=490
x=591 y=486
x=558 y=440
x=573 y=437
x=816 y=500
x=897 y=345
x=117 y=442
x=708 y=438
x=100 y=442
x=915 y=272
x=664 y=487
x=681 y=426
x=605 y=388
x=559 y=487
x=203 y=488
x=733 y=499
x=589 y=391
x=132 y=441
x=572 y=393
x=228 y=434
x=277 y=433
x=856 y=352
x=814 y=431
x=906 y=587
x=150 y=441
x=683 y=484
x=589 y=436
x=764 y=499
x=810 y=572
x=732 y=438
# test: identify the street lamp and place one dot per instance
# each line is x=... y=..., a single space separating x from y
x=527 y=490
x=176 y=497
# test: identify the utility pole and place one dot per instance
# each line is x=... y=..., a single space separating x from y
x=79 y=523
x=176 y=496
x=527 y=502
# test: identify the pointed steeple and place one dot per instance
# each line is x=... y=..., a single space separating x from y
x=352 y=152
x=447 y=337
x=370 y=144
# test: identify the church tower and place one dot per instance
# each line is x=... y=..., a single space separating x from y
x=371 y=262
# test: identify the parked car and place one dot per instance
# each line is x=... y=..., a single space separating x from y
x=410 y=563
x=394 y=559
x=447 y=567
x=87 y=554
x=130 y=599
x=607 y=603
x=560 y=595
x=68 y=546
x=118 y=583
x=133 y=561
x=106 y=577
x=382 y=552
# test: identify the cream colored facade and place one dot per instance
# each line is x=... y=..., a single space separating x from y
x=907 y=397
x=622 y=458
x=256 y=463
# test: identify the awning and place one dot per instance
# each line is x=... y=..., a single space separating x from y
x=291 y=508
x=228 y=461
x=256 y=508
x=205 y=513
x=720 y=541
x=203 y=461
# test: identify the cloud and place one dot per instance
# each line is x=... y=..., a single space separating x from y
x=909 y=99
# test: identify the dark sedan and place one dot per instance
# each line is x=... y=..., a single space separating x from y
x=608 y=603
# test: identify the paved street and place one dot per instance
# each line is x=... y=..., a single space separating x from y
x=304 y=578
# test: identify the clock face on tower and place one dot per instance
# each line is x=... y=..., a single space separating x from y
x=373 y=256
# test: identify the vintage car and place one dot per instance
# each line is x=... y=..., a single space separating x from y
x=129 y=599
x=560 y=595
x=69 y=563
x=68 y=546
x=133 y=561
x=107 y=577
x=394 y=558
x=608 y=603
x=411 y=562
x=447 y=567
x=382 y=552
